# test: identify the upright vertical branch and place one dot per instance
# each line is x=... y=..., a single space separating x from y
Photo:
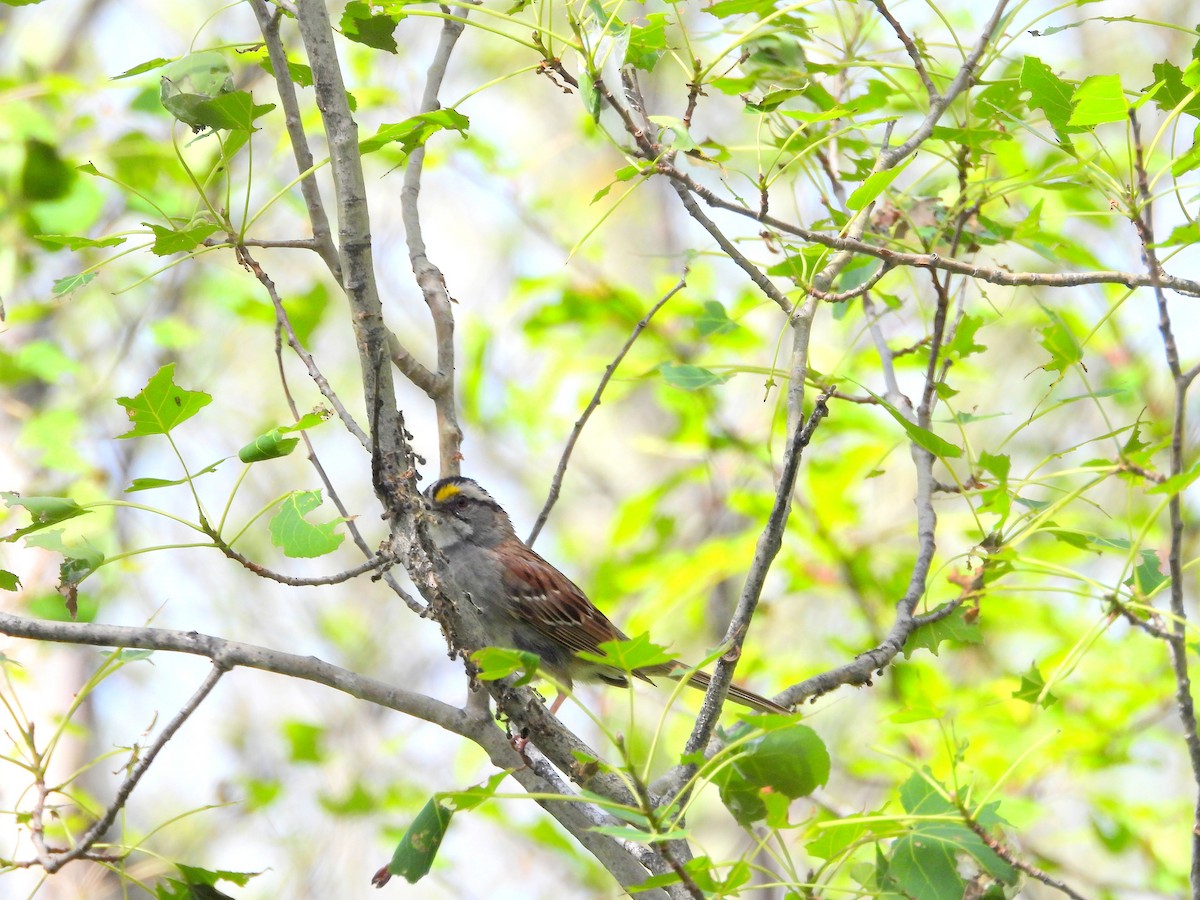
x=390 y=447
x=1141 y=209
x=268 y=24
x=429 y=277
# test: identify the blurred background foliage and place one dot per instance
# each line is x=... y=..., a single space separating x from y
x=1035 y=695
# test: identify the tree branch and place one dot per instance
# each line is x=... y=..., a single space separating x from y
x=561 y=470
x=391 y=454
x=578 y=817
x=322 y=240
x=51 y=861
x=429 y=277
x=767 y=548
x=1141 y=206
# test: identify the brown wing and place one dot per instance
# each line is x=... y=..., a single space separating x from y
x=553 y=604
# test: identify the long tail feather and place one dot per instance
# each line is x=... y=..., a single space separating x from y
x=701 y=681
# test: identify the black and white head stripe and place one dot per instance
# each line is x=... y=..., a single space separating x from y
x=443 y=492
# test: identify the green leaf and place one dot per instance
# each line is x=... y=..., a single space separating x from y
x=791 y=760
x=1049 y=93
x=44 y=175
x=926 y=869
x=79 y=561
x=150 y=484
x=702 y=872
x=772 y=100
x=1032 y=687
x=191 y=81
x=157 y=63
x=461 y=801
x=235 y=111
x=647 y=43
x=1147 y=577
x=723 y=9
x=680 y=138
x=834 y=838
x=714 y=320
x=998 y=465
x=64 y=286
x=874 y=185
x=925 y=862
x=415 y=131
x=195 y=875
x=635 y=653
x=964 y=344
x=689 y=377
x=1189 y=160
x=168 y=240
x=295 y=535
x=938 y=446
x=273 y=444
x=500 y=662
x=954 y=627
x=1173 y=90
x=637 y=836
x=9 y=581
x=43 y=511
x=298 y=72
x=1177 y=483
x=1060 y=342
x=590 y=96
x=1098 y=100
x=78 y=243
x=415 y=853
x=304 y=741
x=361 y=25
x=161 y=405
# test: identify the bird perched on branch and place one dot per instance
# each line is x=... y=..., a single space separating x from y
x=527 y=604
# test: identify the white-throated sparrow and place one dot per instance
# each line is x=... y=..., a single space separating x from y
x=525 y=602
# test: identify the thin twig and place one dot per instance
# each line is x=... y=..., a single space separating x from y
x=377 y=561
x=990 y=274
x=1152 y=626
x=289 y=244
x=283 y=323
x=1015 y=861
x=93 y=834
x=828 y=297
x=322 y=239
x=910 y=47
x=561 y=470
x=765 y=551
x=302 y=354
x=429 y=277
x=756 y=274
x=1144 y=224
x=393 y=466
x=940 y=103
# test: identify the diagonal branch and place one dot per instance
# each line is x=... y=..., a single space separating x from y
x=910 y=48
x=579 y=818
x=940 y=103
x=765 y=552
x=52 y=862
x=556 y=481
